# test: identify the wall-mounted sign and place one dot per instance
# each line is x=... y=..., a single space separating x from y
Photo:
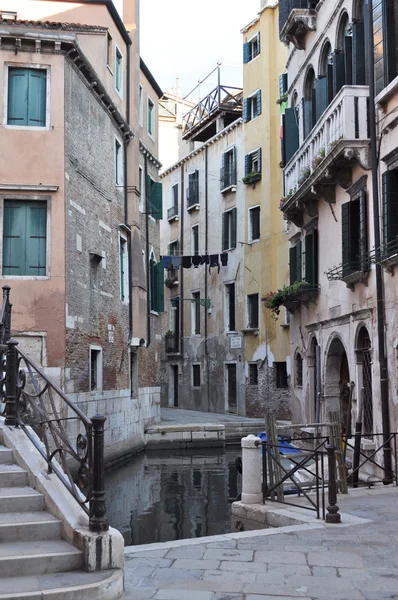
x=236 y=341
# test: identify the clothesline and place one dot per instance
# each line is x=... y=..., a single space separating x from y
x=186 y=262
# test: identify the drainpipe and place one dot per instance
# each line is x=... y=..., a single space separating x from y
x=126 y=212
x=384 y=395
x=206 y=273
x=181 y=269
x=148 y=280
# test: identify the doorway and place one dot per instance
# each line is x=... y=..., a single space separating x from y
x=173 y=383
x=231 y=395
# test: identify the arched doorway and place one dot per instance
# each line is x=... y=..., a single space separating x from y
x=364 y=361
x=337 y=378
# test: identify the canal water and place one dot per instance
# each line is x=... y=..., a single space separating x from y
x=168 y=495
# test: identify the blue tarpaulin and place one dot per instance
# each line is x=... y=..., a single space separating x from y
x=284 y=447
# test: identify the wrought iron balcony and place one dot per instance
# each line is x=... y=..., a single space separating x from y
x=296 y=17
x=227 y=177
x=352 y=272
x=193 y=197
x=172 y=213
x=171 y=343
x=339 y=139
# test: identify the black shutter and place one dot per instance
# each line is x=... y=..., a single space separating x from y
x=246 y=112
x=224 y=175
x=321 y=96
x=231 y=289
x=363 y=230
x=224 y=233
x=299 y=262
x=390 y=206
x=345 y=236
x=247 y=164
x=233 y=227
x=358 y=54
x=329 y=76
x=291 y=140
x=282 y=84
x=259 y=102
x=311 y=257
x=293 y=264
x=348 y=59
x=338 y=72
x=307 y=116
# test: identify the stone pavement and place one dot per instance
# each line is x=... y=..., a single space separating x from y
x=180 y=416
x=314 y=561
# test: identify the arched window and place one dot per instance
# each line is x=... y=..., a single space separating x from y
x=343 y=73
x=364 y=359
x=358 y=43
x=309 y=103
x=324 y=85
x=299 y=370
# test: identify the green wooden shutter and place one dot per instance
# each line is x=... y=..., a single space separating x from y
x=259 y=159
x=345 y=237
x=233 y=227
x=36 y=225
x=311 y=258
x=14 y=236
x=307 y=116
x=258 y=102
x=246 y=53
x=299 y=261
x=338 y=72
x=363 y=230
x=321 y=96
x=37 y=97
x=390 y=206
x=293 y=264
x=358 y=54
x=159 y=273
x=282 y=84
x=247 y=164
x=348 y=59
x=224 y=233
x=291 y=140
x=246 y=112
x=18 y=83
x=157 y=200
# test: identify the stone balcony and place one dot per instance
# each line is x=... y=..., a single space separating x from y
x=338 y=140
x=296 y=18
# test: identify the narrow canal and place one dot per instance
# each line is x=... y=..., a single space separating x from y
x=158 y=497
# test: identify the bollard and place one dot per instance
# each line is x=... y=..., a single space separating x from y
x=98 y=519
x=11 y=383
x=333 y=515
x=251 y=470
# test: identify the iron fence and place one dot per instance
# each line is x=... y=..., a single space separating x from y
x=371 y=457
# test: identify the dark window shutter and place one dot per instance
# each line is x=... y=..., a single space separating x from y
x=282 y=84
x=329 y=83
x=293 y=264
x=156 y=201
x=233 y=174
x=224 y=233
x=37 y=98
x=160 y=286
x=338 y=72
x=345 y=235
x=14 y=238
x=233 y=227
x=259 y=159
x=321 y=96
x=246 y=53
x=291 y=140
x=311 y=256
x=390 y=206
x=358 y=54
x=348 y=59
x=307 y=116
x=299 y=262
x=246 y=111
x=36 y=224
x=247 y=164
x=363 y=229
x=259 y=102
x=258 y=42
x=18 y=83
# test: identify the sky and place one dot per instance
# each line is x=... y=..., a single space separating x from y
x=184 y=39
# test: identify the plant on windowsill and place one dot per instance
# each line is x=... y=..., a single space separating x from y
x=289 y=296
x=304 y=175
x=251 y=177
x=318 y=159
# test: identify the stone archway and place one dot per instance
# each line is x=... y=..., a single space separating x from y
x=336 y=388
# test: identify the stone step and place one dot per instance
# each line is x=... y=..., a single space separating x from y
x=12 y=476
x=75 y=585
x=38 y=558
x=6 y=455
x=29 y=526
x=20 y=499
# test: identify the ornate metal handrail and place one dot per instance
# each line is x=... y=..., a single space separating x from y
x=46 y=415
x=227 y=176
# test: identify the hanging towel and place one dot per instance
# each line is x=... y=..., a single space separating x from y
x=176 y=262
x=167 y=262
x=224 y=259
x=205 y=260
x=214 y=262
x=187 y=262
x=196 y=261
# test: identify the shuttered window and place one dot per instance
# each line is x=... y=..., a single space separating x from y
x=251 y=49
x=254 y=223
x=354 y=235
x=291 y=140
x=311 y=257
x=252 y=106
x=151 y=108
x=253 y=162
x=295 y=263
x=27 y=90
x=252 y=311
x=24 y=238
x=390 y=210
x=156 y=275
x=154 y=190
x=229 y=230
x=118 y=70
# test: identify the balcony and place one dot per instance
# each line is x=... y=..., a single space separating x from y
x=193 y=198
x=171 y=343
x=172 y=214
x=338 y=140
x=227 y=178
x=296 y=18
x=351 y=272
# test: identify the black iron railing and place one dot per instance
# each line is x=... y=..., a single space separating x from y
x=227 y=177
x=172 y=212
x=193 y=195
x=48 y=417
x=373 y=458
x=286 y=6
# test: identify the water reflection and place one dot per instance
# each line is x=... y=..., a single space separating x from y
x=158 y=497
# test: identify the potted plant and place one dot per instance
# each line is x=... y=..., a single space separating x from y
x=251 y=177
x=304 y=175
x=289 y=296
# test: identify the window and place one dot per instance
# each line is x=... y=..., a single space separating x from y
x=24 y=238
x=172 y=212
x=195 y=313
x=151 y=108
x=119 y=70
x=281 y=374
x=252 y=311
x=390 y=211
x=253 y=374
x=291 y=137
x=193 y=190
x=195 y=240
x=253 y=163
x=309 y=103
x=254 y=223
x=354 y=235
x=124 y=271
x=141 y=105
x=27 y=97
x=95 y=369
x=228 y=169
x=118 y=163
x=295 y=263
x=251 y=49
x=299 y=370
x=252 y=106
x=311 y=257
x=230 y=307
x=195 y=375
x=154 y=195
x=229 y=230
x=109 y=50
x=141 y=187
x=174 y=248
x=156 y=280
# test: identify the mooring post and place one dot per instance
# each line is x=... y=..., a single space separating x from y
x=333 y=515
x=251 y=470
x=98 y=517
x=11 y=383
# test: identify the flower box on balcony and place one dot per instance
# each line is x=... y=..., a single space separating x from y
x=290 y=296
x=251 y=177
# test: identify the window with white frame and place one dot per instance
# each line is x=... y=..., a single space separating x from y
x=109 y=50
x=24 y=238
x=229 y=226
x=252 y=311
x=254 y=223
x=141 y=105
x=118 y=163
x=124 y=269
x=251 y=49
x=95 y=368
x=252 y=106
x=195 y=240
x=118 y=70
x=151 y=117
x=253 y=163
x=27 y=97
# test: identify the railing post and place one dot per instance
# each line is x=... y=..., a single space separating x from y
x=98 y=518
x=11 y=383
x=333 y=515
x=251 y=470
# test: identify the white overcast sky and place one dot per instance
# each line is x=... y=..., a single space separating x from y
x=186 y=38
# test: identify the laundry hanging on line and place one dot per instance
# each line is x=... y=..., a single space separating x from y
x=186 y=261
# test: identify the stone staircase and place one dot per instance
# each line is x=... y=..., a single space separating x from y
x=35 y=562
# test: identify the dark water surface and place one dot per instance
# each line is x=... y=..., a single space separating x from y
x=163 y=496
